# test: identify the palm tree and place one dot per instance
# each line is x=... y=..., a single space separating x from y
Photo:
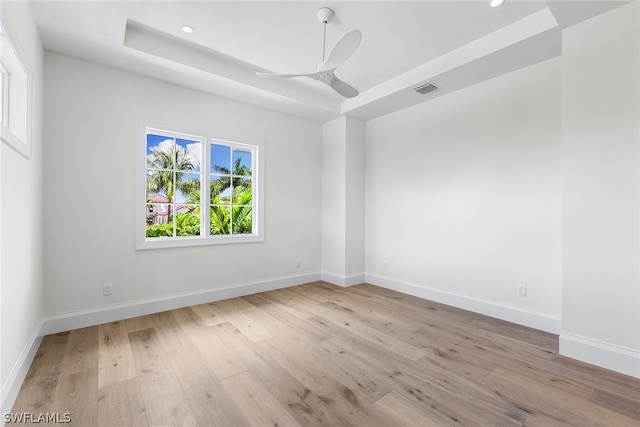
x=235 y=218
x=166 y=169
x=224 y=182
x=187 y=224
x=219 y=219
x=241 y=218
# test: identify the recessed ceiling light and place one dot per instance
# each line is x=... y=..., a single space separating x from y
x=187 y=29
x=496 y=3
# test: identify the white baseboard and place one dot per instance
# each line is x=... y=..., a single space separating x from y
x=111 y=313
x=615 y=358
x=13 y=383
x=521 y=316
x=608 y=356
x=344 y=281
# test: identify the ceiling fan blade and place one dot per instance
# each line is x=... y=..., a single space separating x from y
x=276 y=75
x=343 y=88
x=343 y=49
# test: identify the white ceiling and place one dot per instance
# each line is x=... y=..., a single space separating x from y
x=451 y=43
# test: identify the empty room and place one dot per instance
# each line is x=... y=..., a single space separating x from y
x=301 y=213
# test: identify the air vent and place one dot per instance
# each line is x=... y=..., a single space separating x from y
x=425 y=88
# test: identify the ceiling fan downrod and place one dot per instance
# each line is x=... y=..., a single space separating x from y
x=324 y=15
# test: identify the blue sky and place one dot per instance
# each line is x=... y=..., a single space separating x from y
x=221 y=155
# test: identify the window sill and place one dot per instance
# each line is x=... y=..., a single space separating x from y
x=184 y=242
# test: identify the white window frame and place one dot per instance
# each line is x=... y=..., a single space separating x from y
x=204 y=239
x=15 y=125
x=4 y=116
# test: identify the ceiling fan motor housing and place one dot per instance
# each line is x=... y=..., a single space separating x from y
x=325 y=14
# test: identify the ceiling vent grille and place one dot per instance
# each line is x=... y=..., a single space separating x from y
x=425 y=88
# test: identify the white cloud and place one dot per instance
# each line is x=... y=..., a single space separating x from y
x=193 y=152
x=164 y=146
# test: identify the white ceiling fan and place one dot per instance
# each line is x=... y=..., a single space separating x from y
x=343 y=49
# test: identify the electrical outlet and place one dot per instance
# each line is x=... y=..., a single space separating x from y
x=385 y=265
x=106 y=290
x=522 y=290
x=298 y=264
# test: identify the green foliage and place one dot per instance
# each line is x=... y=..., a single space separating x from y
x=241 y=212
x=220 y=220
x=187 y=224
x=236 y=219
x=225 y=181
x=159 y=230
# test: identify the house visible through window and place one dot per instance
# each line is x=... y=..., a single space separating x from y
x=198 y=190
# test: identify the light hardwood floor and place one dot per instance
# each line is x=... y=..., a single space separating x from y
x=315 y=355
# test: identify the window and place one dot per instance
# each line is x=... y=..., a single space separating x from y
x=197 y=190
x=4 y=87
x=15 y=87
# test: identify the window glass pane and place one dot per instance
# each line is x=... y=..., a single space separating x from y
x=160 y=186
x=150 y=190
x=242 y=162
x=220 y=159
x=242 y=220
x=187 y=220
x=187 y=187
x=190 y=156
x=156 y=198
x=216 y=188
x=157 y=221
x=220 y=219
x=159 y=151
x=242 y=191
x=3 y=97
x=157 y=213
x=220 y=189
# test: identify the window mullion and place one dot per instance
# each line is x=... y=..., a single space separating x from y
x=205 y=188
x=172 y=204
x=231 y=199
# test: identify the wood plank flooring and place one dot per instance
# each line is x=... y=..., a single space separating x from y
x=320 y=355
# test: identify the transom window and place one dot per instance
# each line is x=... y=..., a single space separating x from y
x=198 y=190
x=4 y=88
x=15 y=91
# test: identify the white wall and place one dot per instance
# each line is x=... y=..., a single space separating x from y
x=21 y=287
x=90 y=130
x=601 y=184
x=463 y=195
